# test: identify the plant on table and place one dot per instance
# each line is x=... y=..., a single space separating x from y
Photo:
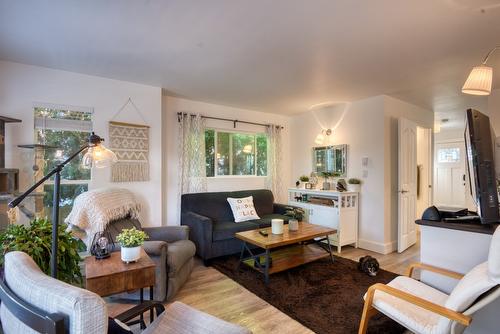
x=294 y=212
x=354 y=181
x=304 y=178
x=35 y=240
x=131 y=237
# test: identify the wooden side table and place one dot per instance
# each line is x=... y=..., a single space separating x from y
x=111 y=276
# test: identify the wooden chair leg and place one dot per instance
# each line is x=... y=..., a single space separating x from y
x=368 y=312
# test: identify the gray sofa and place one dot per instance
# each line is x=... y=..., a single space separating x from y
x=211 y=220
x=171 y=250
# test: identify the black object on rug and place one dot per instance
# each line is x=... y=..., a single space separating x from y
x=326 y=297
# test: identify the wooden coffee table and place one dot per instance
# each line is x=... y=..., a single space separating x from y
x=290 y=249
x=111 y=276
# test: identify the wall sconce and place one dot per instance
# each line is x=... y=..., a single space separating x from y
x=320 y=138
x=480 y=78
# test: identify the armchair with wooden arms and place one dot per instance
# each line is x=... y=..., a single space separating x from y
x=424 y=309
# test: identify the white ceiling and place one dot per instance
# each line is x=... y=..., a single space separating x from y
x=278 y=56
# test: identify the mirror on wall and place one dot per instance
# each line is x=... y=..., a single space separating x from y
x=332 y=159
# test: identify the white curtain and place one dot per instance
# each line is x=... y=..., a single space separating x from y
x=274 y=160
x=192 y=173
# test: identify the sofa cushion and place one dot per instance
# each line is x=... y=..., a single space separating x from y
x=179 y=252
x=215 y=206
x=265 y=221
x=263 y=200
x=243 y=209
x=226 y=230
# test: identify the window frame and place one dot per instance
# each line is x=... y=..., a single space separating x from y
x=254 y=134
x=54 y=106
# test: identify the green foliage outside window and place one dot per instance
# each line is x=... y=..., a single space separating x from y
x=65 y=142
x=229 y=153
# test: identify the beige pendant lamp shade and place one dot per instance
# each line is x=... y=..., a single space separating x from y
x=479 y=81
x=480 y=78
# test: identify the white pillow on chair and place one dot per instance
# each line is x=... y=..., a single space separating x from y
x=243 y=209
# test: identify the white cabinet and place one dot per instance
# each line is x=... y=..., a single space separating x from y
x=338 y=210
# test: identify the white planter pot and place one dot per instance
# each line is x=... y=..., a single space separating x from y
x=354 y=187
x=131 y=254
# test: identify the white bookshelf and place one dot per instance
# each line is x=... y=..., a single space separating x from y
x=334 y=209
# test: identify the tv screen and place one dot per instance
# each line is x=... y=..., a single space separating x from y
x=480 y=146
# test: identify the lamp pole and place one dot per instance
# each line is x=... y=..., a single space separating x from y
x=55 y=205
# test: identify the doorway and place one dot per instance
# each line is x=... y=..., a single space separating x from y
x=414 y=179
x=449 y=174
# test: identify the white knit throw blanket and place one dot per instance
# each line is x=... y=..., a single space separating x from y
x=93 y=210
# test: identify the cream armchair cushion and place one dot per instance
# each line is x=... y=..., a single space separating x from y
x=409 y=315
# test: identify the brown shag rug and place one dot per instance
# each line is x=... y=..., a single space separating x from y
x=326 y=297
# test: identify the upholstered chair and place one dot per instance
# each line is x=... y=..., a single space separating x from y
x=424 y=309
x=171 y=250
x=33 y=302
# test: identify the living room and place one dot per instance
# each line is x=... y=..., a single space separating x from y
x=344 y=122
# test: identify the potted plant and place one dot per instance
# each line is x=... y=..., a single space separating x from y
x=303 y=180
x=131 y=241
x=296 y=215
x=354 y=184
x=35 y=240
x=326 y=184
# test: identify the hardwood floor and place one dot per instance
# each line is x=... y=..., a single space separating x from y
x=210 y=291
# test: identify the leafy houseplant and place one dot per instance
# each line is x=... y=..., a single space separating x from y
x=294 y=212
x=304 y=178
x=36 y=241
x=131 y=241
x=354 y=184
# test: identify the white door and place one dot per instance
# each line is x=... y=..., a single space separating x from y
x=449 y=175
x=407 y=185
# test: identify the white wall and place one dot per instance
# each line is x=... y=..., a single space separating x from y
x=362 y=130
x=369 y=128
x=494 y=110
x=21 y=86
x=173 y=105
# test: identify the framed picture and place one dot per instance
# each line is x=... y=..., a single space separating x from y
x=308 y=185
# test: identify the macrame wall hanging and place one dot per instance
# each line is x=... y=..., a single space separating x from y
x=130 y=142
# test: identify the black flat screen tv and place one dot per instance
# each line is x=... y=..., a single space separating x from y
x=480 y=146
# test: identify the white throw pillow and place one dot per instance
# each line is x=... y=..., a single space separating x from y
x=243 y=209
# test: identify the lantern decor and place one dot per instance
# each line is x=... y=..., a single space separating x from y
x=102 y=245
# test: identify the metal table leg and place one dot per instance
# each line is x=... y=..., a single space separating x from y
x=141 y=318
x=329 y=247
x=151 y=314
x=242 y=253
x=266 y=270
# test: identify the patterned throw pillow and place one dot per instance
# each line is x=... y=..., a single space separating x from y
x=243 y=209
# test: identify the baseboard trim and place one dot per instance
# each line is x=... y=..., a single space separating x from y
x=377 y=247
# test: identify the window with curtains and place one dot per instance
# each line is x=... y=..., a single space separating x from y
x=63 y=130
x=235 y=153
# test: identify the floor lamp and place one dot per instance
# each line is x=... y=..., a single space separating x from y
x=96 y=156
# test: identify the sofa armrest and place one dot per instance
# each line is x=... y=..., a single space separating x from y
x=155 y=248
x=167 y=233
x=201 y=229
x=280 y=208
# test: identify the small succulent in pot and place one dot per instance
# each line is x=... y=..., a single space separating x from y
x=354 y=184
x=294 y=213
x=131 y=241
x=304 y=178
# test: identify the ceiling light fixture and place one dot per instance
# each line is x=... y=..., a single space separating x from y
x=480 y=78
